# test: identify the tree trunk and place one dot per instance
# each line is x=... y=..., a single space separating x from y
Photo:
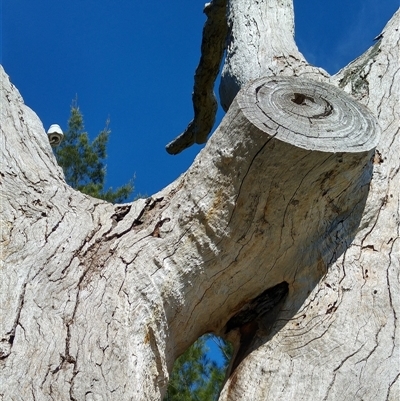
x=341 y=342
x=283 y=236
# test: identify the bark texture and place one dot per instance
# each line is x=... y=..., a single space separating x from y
x=283 y=236
x=342 y=342
x=261 y=43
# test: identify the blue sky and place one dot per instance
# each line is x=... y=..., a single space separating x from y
x=134 y=61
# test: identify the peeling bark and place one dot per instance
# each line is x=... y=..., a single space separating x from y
x=98 y=300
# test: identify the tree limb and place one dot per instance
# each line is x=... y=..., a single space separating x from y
x=204 y=101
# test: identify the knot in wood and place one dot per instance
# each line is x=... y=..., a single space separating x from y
x=309 y=114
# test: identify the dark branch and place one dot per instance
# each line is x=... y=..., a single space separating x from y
x=204 y=101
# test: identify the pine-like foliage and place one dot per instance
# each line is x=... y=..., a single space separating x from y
x=195 y=376
x=83 y=160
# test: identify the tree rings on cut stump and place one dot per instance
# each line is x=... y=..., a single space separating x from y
x=309 y=114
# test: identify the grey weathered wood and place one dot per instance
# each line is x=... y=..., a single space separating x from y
x=245 y=28
x=98 y=300
x=116 y=293
x=261 y=43
x=342 y=341
x=309 y=114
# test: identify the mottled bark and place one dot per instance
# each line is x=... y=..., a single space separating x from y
x=98 y=300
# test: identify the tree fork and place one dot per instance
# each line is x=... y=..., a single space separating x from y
x=342 y=343
x=246 y=30
x=265 y=202
x=98 y=301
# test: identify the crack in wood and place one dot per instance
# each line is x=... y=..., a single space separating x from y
x=8 y=343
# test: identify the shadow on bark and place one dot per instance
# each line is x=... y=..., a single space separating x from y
x=258 y=321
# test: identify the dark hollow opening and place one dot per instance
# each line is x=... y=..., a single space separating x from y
x=300 y=99
x=258 y=312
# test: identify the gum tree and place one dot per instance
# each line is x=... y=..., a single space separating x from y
x=282 y=237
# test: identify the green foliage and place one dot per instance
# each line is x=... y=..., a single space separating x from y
x=195 y=376
x=83 y=161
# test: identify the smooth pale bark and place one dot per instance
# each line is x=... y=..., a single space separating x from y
x=98 y=300
x=260 y=43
